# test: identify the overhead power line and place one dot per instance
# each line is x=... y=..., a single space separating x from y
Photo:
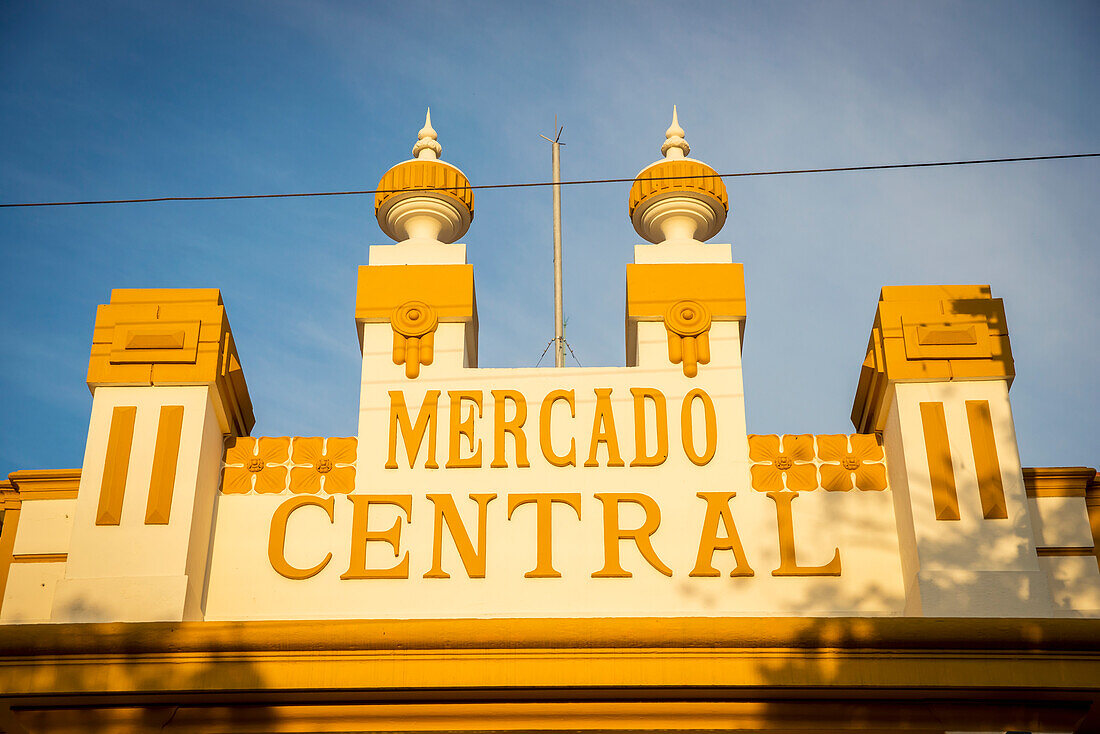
x=582 y=182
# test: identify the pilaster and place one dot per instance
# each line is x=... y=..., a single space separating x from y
x=167 y=389
x=935 y=385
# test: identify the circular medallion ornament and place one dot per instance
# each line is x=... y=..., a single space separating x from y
x=688 y=318
x=413 y=319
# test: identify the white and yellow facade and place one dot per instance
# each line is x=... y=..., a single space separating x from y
x=576 y=549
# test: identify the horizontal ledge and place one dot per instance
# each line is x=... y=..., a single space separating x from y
x=867 y=634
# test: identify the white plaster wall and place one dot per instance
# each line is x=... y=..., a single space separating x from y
x=683 y=252
x=133 y=571
x=243 y=584
x=420 y=253
x=992 y=544
x=1074 y=585
x=28 y=596
x=44 y=526
x=972 y=566
x=1061 y=522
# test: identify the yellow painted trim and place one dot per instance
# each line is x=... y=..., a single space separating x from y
x=655 y=181
x=46 y=484
x=746 y=653
x=162 y=480
x=1058 y=481
x=988 y=469
x=116 y=465
x=931 y=334
x=941 y=473
x=442 y=179
x=7 y=546
x=623 y=713
x=447 y=289
x=652 y=289
x=40 y=558
x=158 y=336
x=1052 y=551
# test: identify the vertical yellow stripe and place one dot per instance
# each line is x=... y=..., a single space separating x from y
x=7 y=546
x=990 y=488
x=942 y=475
x=165 y=454
x=115 y=465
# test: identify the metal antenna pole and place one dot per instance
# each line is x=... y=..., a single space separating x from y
x=559 y=318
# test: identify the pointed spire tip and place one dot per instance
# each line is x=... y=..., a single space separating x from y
x=427 y=147
x=675 y=146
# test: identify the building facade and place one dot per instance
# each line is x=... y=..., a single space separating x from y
x=576 y=549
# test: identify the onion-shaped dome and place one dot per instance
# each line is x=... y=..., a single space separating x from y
x=434 y=184
x=678 y=177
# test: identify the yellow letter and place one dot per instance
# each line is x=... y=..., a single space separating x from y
x=544 y=513
x=413 y=436
x=463 y=427
x=687 y=430
x=569 y=459
x=658 y=398
x=612 y=534
x=514 y=427
x=603 y=430
x=445 y=510
x=357 y=569
x=788 y=566
x=276 y=539
x=718 y=508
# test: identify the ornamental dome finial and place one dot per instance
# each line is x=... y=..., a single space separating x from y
x=427 y=148
x=424 y=200
x=678 y=199
x=675 y=146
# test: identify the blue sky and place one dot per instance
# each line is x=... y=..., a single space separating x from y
x=114 y=100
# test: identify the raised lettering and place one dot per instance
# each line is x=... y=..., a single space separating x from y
x=569 y=459
x=603 y=430
x=463 y=427
x=411 y=435
x=276 y=539
x=612 y=534
x=718 y=510
x=514 y=426
x=360 y=536
x=445 y=511
x=788 y=564
x=544 y=513
x=641 y=457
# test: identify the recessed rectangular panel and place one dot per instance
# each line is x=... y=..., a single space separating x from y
x=165 y=455
x=957 y=337
x=172 y=342
x=988 y=468
x=115 y=465
x=945 y=497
